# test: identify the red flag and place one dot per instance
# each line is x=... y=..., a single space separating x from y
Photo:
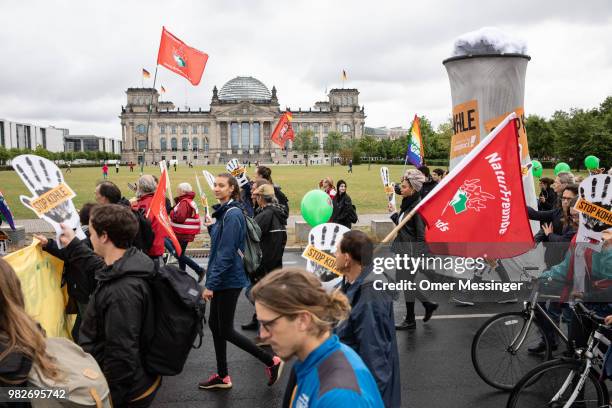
x=157 y=211
x=479 y=208
x=181 y=58
x=283 y=130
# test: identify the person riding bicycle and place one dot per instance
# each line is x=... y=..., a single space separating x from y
x=586 y=274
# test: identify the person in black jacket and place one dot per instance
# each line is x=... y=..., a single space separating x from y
x=548 y=198
x=119 y=320
x=343 y=213
x=370 y=327
x=22 y=341
x=272 y=219
x=429 y=183
x=410 y=240
x=266 y=174
x=80 y=283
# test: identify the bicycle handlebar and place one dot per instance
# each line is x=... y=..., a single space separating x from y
x=589 y=313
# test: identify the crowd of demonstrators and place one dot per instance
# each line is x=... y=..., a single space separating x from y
x=327 y=185
x=22 y=340
x=548 y=198
x=225 y=280
x=186 y=224
x=297 y=318
x=263 y=172
x=429 y=183
x=370 y=327
x=410 y=240
x=344 y=212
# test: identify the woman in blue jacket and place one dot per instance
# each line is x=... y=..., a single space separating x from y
x=224 y=282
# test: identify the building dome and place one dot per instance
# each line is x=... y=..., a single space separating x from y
x=244 y=89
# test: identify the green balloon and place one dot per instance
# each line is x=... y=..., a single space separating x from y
x=591 y=162
x=316 y=207
x=536 y=168
x=562 y=168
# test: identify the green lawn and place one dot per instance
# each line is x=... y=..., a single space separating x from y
x=364 y=186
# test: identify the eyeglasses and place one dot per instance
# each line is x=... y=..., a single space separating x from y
x=267 y=324
x=566 y=198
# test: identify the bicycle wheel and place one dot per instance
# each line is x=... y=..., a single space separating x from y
x=498 y=363
x=551 y=384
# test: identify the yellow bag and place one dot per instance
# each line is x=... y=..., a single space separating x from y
x=41 y=279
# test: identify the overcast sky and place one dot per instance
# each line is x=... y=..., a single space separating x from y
x=68 y=63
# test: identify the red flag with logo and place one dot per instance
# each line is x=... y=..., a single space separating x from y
x=283 y=130
x=180 y=58
x=479 y=209
x=157 y=211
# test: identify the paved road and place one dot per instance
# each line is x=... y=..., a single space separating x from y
x=436 y=369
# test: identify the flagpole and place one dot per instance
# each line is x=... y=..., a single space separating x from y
x=148 y=123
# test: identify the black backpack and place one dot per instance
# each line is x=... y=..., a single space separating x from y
x=179 y=319
x=145 y=236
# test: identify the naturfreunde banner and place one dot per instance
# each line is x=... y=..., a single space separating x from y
x=41 y=283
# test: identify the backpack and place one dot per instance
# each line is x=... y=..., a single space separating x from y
x=179 y=319
x=252 y=255
x=83 y=381
x=353 y=215
x=145 y=236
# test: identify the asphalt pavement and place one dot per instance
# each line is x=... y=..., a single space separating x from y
x=435 y=363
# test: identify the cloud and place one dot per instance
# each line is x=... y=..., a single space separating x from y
x=70 y=62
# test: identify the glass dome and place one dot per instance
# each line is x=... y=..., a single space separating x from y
x=244 y=89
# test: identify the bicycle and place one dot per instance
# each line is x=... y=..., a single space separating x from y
x=499 y=349
x=567 y=382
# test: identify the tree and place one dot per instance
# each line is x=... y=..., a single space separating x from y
x=540 y=137
x=332 y=144
x=367 y=144
x=304 y=144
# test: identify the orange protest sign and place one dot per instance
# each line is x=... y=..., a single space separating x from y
x=466 y=128
x=52 y=198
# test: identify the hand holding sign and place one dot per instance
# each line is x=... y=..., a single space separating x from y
x=235 y=169
x=51 y=198
x=595 y=207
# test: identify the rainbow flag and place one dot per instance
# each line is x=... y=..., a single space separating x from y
x=414 y=154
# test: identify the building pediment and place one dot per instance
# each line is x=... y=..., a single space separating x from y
x=244 y=109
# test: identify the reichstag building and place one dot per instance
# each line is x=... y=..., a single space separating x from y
x=241 y=118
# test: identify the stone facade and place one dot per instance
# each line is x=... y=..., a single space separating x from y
x=239 y=123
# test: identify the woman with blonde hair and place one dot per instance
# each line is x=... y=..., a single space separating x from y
x=297 y=317
x=22 y=342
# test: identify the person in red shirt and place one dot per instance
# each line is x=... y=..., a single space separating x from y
x=105 y=171
x=144 y=195
x=185 y=222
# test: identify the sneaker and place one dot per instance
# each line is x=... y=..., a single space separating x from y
x=214 y=381
x=274 y=372
x=461 y=301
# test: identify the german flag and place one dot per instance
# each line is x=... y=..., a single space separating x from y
x=146 y=74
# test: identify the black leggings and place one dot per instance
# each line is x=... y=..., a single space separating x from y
x=221 y=323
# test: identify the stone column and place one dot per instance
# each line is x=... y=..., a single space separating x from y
x=229 y=135
x=250 y=136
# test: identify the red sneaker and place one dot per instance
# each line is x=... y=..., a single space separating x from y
x=215 y=381
x=274 y=372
